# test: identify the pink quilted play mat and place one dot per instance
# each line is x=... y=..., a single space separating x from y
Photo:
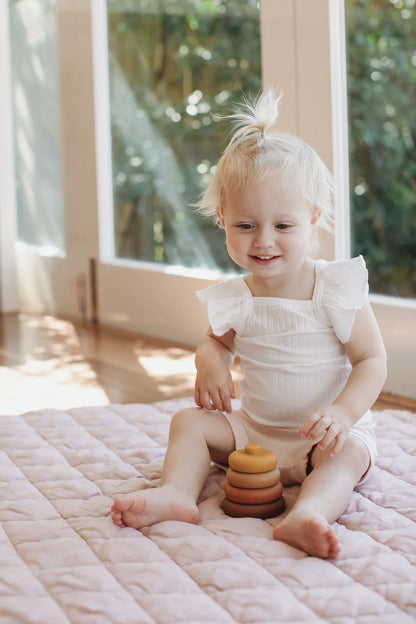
x=63 y=561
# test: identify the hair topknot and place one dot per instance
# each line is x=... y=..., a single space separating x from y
x=254 y=117
x=257 y=149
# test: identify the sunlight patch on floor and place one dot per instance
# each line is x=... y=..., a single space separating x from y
x=162 y=366
x=23 y=393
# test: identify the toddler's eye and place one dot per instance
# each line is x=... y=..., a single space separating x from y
x=244 y=226
x=283 y=226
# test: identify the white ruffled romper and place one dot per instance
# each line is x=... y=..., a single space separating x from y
x=293 y=358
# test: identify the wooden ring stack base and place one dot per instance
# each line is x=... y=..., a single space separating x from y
x=253 y=487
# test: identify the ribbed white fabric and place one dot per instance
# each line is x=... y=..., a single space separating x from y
x=291 y=351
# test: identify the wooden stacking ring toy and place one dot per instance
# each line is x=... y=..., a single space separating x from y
x=253 y=487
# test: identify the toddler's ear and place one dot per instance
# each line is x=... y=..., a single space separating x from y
x=316 y=215
x=220 y=215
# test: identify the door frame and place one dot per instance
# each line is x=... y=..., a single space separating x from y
x=8 y=224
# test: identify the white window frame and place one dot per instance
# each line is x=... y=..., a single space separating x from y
x=137 y=295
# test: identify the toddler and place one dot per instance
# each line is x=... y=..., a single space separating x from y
x=310 y=349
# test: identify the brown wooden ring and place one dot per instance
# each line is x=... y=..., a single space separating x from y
x=253 y=481
x=265 y=510
x=253 y=496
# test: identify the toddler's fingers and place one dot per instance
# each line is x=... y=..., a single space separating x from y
x=226 y=402
x=227 y=394
x=329 y=437
x=202 y=399
x=205 y=401
x=315 y=426
x=232 y=390
x=324 y=424
x=339 y=443
x=197 y=398
x=220 y=398
x=304 y=431
x=334 y=435
x=216 y=400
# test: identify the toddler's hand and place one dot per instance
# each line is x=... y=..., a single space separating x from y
x=329 y=423
x=214 y=389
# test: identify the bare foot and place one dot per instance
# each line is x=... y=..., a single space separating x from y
x=309 y=532
x=147 y=507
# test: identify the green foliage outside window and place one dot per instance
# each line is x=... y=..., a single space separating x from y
x=174 y=68
x=381 y=40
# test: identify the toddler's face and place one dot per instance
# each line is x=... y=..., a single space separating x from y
x=268 y=228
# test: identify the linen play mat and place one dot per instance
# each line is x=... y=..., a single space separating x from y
x=63 y=560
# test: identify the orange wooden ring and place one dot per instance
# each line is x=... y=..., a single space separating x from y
x=264 y=510
x=252 y=458
x=253 y=481
x=253 y=496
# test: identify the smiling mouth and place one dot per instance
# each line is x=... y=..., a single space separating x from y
x=265 y=257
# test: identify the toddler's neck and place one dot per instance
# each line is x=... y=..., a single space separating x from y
x=296 y=285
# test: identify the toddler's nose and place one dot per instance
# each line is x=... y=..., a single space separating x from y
x=264 y=238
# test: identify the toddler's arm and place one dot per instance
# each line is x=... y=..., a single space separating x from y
x=367 y=355
x=214 y=386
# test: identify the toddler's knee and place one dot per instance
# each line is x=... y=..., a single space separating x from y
x=356 y=448
x=358 y=451
x=184 y=419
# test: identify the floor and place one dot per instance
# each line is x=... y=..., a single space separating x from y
x=52 y=362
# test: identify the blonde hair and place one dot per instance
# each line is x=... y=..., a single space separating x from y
x=255 y=151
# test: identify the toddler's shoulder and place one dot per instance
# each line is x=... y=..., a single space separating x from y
x=227 y=305
x=229 y=288
x=341 y=289
x=343 y=282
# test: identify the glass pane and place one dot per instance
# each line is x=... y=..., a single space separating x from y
x=36 y=121
x=381 y=36
x=174 y=66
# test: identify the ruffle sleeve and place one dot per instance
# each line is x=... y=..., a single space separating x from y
x=227 y=305
x=343 y=290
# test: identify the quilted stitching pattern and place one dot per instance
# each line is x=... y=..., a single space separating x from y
x=63 y=561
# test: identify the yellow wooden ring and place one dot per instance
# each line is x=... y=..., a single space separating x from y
x=264 y=510
x=253 y=480
x=253 y=496
x=252 y=458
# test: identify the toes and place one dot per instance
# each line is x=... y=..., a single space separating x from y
x=334 y=546
x=119 y=523
x=122 y=504
x=332 y=553
x=117 y=520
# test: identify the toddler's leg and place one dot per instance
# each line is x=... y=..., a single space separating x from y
x=323 y=497
x=195 y=437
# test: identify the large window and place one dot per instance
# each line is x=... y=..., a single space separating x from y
x=36 y=124
x=175 y=67
x=381 y=50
